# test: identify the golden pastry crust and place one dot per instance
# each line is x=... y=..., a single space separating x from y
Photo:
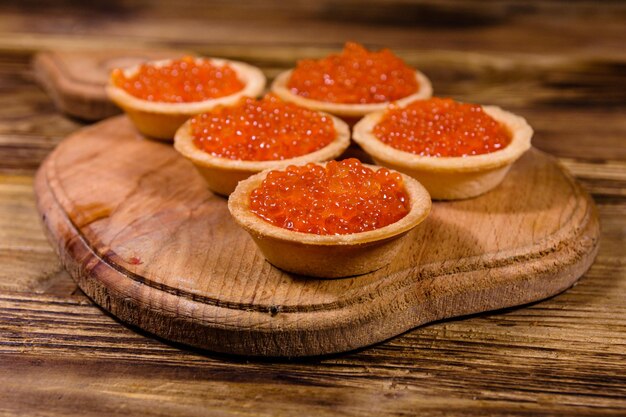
x=223 y=174
x=449 y=178
x=160 y=120
x=328 y=256
x=279 y=87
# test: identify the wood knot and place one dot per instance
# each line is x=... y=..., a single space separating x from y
x=274 y=310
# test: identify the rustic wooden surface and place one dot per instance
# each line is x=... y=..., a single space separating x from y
x=160 y=251
x=559 y=63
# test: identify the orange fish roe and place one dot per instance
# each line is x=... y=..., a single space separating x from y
x=261 y=130
x=181 y=81
x=343 y=197
x=355 y=76
x=442 y=127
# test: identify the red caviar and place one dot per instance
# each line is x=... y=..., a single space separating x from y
x=340 y=198
x=442 y=127
x=262 y=130
x=183 y=80
x=355 y=76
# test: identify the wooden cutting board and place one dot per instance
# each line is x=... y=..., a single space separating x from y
x=136 y=227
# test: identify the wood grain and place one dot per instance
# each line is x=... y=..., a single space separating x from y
x=169 y=259
x=501 y=367
x=22 y=245
x=558 y=63
x=524 y=26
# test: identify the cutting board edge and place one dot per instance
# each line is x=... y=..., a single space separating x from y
x=83 y=101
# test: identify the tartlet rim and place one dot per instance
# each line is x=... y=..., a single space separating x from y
x=519 y=129
x=184 y=144
x=253 y=78
x=279 y=87
x=238 y=205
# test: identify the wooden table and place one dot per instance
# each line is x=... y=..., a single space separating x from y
x=561 y=64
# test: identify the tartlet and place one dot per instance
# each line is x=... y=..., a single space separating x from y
x=160 y=120
x=349 y=111
x=450 y=177
x=328 y=256
x=222 y=174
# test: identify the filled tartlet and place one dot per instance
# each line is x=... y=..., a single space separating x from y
x=230 y=143
x=330 y=219
x=159 y=96
x=352 y=83
x=456 y=150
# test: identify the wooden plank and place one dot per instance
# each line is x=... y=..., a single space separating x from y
x=456 y=25
x=30 y=126
x=539 y=360
x=28 y=262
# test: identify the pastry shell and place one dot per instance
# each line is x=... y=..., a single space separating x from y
x=450 y=178
x=160 y=120
x=343 y=110
x=223 y=174
x=328 y=256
